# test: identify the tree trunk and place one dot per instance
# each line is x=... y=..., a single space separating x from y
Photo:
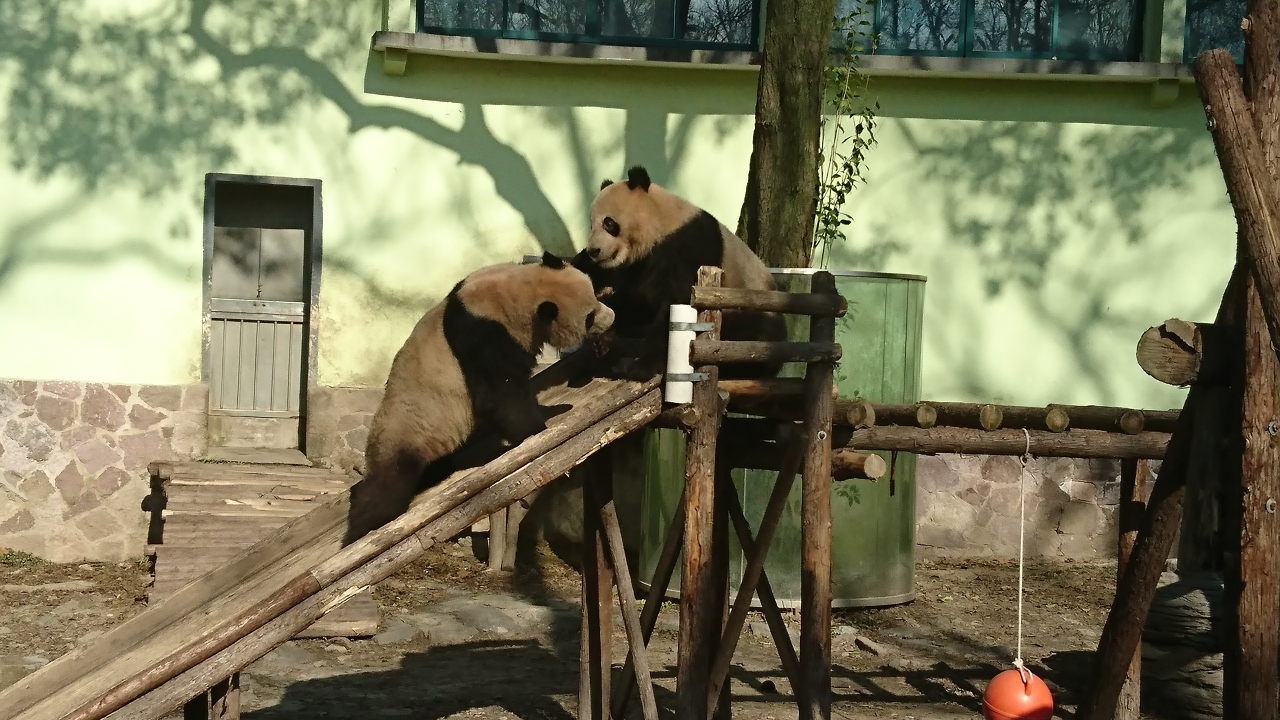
x=782 y=183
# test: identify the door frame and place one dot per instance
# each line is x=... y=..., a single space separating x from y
x=314 y=244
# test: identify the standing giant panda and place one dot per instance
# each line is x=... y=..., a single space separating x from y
x=643 y=255
x=465 y=371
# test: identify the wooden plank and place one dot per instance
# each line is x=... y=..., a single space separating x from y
x=549 y=466
x=264 y=366
x=280 y=366
x=497 y=538
x=217 y=345
x=174 y=616
x=231 y=365
x=814 y=693
x=248 y=365
x=297 y=375
x=696 y=592
x=213 y=600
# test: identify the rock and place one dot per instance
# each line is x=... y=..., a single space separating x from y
x=442 y=629
x=758 y=629
x=871 y=646
x=486 y=618
x=336 y=648
x=397 y=632
x=290 y=653
x=103 y=409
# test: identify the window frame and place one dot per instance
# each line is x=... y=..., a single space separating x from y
x=753 y=45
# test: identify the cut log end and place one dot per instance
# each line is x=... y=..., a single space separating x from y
x=990 y=417
x=1170 y=355
x=926 y=415
x=1057 y=420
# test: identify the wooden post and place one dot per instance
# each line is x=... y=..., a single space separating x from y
x=597 y=596
x=1251 y=660
x=220 y=702
x=515 y=515
x=497 y=538
x=719 y=706
x=699 y=601
x=814 y=693
x=1123 y=629
x=1133 y=503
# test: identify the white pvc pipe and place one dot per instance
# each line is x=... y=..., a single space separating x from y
x=680 y=391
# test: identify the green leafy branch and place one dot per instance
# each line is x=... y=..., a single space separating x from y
x=848 y=103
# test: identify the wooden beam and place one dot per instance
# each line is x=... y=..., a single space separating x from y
x=1133 y=503
x=720 y=298
x=1251 y=659
x=1072 y=443
x=1180 y=353
x=706 y=351
x=1123 y=629
x=637 y=652
x=814 y=693
x=846 y=464
x=697 y=595
x=1244 y=167
x=595 y=649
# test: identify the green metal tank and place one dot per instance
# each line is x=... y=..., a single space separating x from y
x=872 y=524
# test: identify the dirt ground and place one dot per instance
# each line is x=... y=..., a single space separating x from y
x=928 y=660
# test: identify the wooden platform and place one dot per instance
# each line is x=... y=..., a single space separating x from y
x=212 y=512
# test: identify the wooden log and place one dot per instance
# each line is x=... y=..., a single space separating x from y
x=764 y=591
x=1097 y=417
x=846 y=464
x=1122 y=631
x=550 y=466
x=705 y=351
x=763 y=388
x=721 y=298
x=1072 y=443
x=595 y=668
x=719 y=704
x=497 y=539
x=789 y=467
x=1180 y=353
x=636 y=651
x=1133 y=503
x=652 y=604
x=1251 y=664
x=697 y=594
x=515 y=515
x=814 y=692
x=1251 y=188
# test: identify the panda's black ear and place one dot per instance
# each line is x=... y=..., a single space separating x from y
x=638 y=177
x=605 y=183
x=548 y=311
x=552 y=261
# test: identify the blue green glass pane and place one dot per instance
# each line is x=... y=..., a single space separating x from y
x=720 y=21
x=1098 y=28
x=1021 y=26
x=919 y=25
x=451 y=16
x=1214 y=24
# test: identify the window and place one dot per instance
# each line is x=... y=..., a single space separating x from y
x=1034 y=29
x=710 y=24
x=1214 y=24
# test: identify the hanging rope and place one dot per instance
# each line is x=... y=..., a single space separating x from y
x=1022 y=528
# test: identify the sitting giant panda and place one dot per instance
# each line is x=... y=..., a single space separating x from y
x=464 y=371
x=643 y=255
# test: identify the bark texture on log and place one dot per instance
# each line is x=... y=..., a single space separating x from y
x=1133 y=503
x=1072 y=443
x=782 y=182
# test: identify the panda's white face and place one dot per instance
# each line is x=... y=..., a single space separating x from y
x=629 y=219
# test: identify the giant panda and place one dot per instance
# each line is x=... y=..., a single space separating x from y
x=643 y=254
x=463 y=377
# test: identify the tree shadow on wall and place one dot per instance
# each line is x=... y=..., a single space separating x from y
x=151 y=101
x=1037 y=205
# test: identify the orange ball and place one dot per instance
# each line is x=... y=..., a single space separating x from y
x=1009 y=698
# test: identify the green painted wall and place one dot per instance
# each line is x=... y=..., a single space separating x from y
x=1055 y=220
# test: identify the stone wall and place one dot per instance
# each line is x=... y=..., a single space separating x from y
x=967 y=506
x=73 y=473
x=73 y=462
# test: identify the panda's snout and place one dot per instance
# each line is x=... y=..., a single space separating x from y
x=593 y=252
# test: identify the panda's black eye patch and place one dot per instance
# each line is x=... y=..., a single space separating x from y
x=611 y=226
x=591 y=320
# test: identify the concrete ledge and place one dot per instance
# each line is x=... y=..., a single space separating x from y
x=396 y=45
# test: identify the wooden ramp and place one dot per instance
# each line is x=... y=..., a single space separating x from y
x=224 y=620
x=212 y=512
